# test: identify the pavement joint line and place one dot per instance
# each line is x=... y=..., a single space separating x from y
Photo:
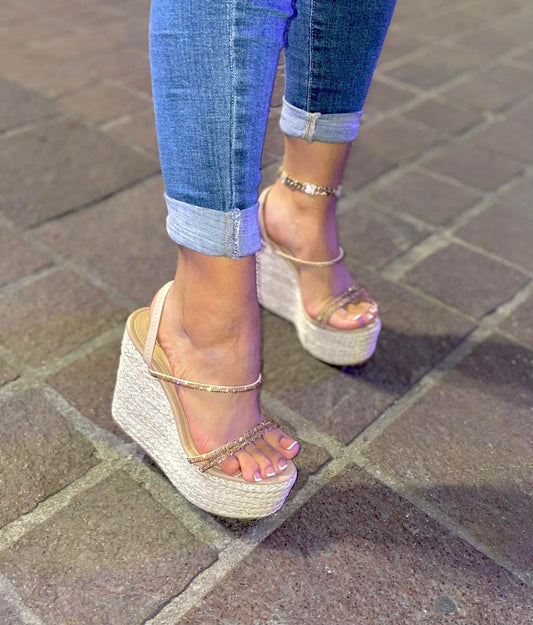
x=432 y=299
x=132 y=459
x=96 y=201
x=306 y=430
x=28 y=374
x=433 y=511
x=114 y=295
x=45 y=509
x=487 y=326
x=397 y=267
x=241 y=547
x=481 y=250
x=200 y=524
x=9 y=595
x=413 y=220
x=17 y=285
x=114 y=333
x=13 y=361
x=29 y=126
x=456 y=38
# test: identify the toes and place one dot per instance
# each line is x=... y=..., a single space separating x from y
x=265 y=465
x=285 y=445
x=277 y=461
x=354 y=315
x=230 y=466
x=249 y=467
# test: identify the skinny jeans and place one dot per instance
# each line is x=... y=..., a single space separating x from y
x=213 y=65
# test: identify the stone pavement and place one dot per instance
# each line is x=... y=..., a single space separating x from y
x=414 y=500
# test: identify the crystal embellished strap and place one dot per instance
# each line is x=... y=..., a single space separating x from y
x=352 y=292
x=308 y=187
x=313 y=263
x=214 y=388
x=211 y=458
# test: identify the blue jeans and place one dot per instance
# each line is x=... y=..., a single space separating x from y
x=213 y=64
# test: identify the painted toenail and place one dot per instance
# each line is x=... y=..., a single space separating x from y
x=257 y=476
x=282 y=465
x=238 y=474
x=292 y=445
x=271 y=474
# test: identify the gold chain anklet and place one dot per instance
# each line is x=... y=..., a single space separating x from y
x=308 y=187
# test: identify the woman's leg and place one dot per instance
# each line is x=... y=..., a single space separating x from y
x=213 y=66
x=332 y=48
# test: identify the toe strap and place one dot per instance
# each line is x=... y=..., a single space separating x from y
x=211 y=458
x=355 y=292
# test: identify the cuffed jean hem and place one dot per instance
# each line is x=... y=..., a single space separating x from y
x=326 y=127
x=233 y=233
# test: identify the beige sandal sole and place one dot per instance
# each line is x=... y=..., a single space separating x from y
x=148 y=409
x=278 y=290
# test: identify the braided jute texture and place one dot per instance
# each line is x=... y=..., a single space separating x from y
x=278 y=290
x=141 y=408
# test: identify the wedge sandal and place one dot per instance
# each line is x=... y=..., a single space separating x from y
x=278 y=290
x=147 y=407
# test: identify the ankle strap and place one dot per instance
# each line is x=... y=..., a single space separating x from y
x=308 y=187
x=155 y=320
x=149 y=347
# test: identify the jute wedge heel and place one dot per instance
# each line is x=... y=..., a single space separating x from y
x=147 y=407
x=278 y=290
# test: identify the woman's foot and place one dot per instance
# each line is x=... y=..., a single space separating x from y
x=210 y=333
x=306 y=225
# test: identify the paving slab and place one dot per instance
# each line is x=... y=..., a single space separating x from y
x=467 y=447
x=343 y=400
x=27 y=67
x=437 y=65
x=18 y=258
x=443 y=117
x=364 y=165
x=122 y=239
x=71 y=165
x=397 y=139
x=357 y=553
x=506 y=229
x=384 y=97
x=374 y=237
x=103 y=101
x=137 y=130
x=475 y=166
x=19 y=106
x=398 y=41
x=425 y=195
x=46 y=318
x=493 y=89
x=88 y=384
x=113 y=555
x=508 y=137
x=40 y=452
x=7 y=374
x=466 y=279
x=519 y=323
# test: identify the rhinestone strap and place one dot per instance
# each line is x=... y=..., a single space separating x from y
x=211 y=458
x=308 y=187
x=313 y=263
x=352 y=292
x=214 y=388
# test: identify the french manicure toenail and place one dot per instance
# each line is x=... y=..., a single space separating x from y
x=271 y=474
x=238 y=474
x=257 y=477
x=282 y=465
x=292 y=444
